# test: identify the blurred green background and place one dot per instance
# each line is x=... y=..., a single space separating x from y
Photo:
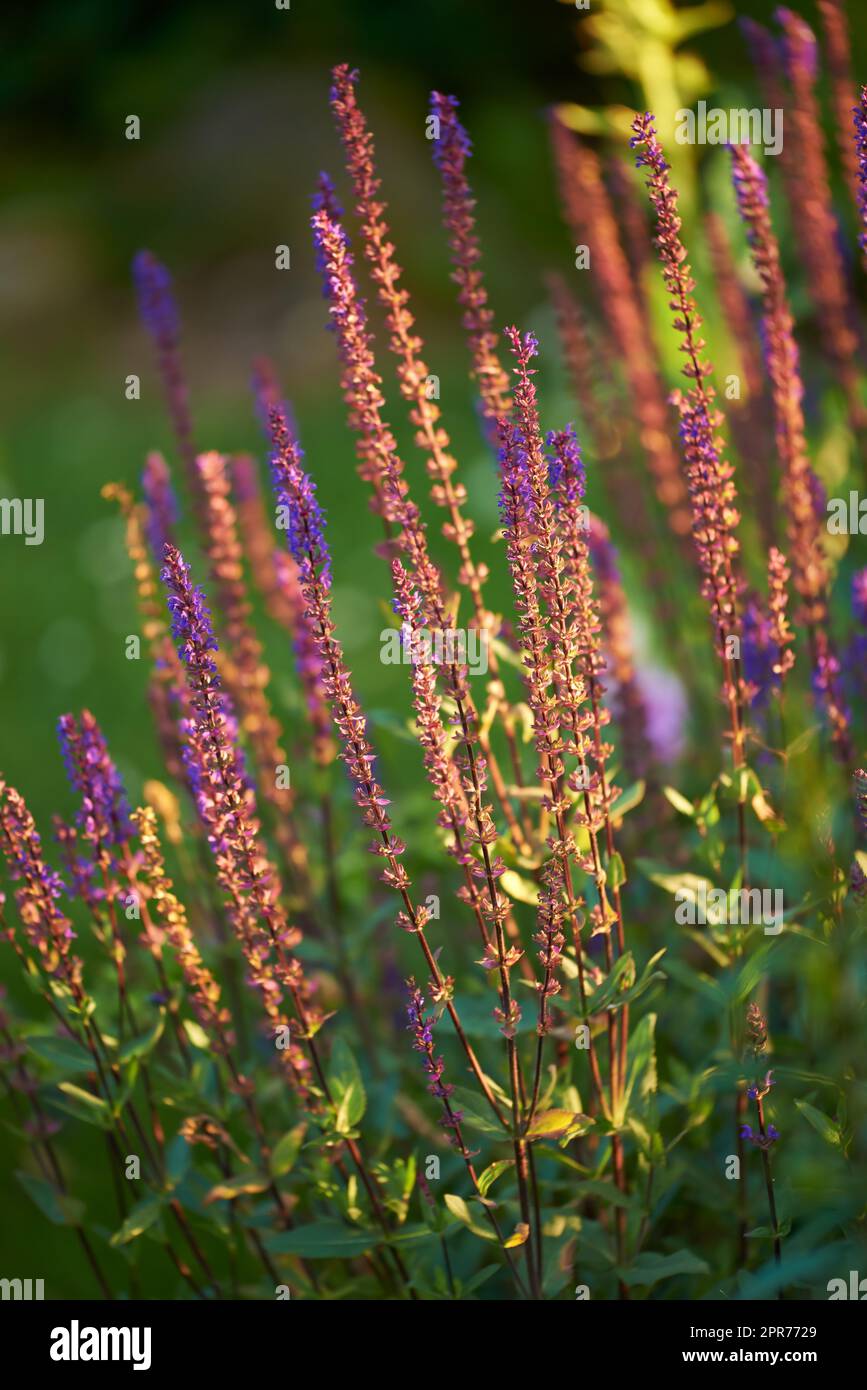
x=233 y=102
x=235 y=126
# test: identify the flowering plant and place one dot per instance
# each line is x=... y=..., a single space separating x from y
x=224 y=984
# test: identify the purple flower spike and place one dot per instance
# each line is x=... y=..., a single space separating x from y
x=162 y=504
x=104 y=815
x=761 y=655
x=268 y=396
x=859 y=597
x=155 y=298
x=302 y=517
x=566 y=473
x=160 y=317
x=859 y=115
x=453 y=142
x=451 y=150
x=192 y=628
x=422 y=1031
x=325 y=199
x=860 y=779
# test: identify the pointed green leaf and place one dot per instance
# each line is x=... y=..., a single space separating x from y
x=286 y=1150
x=821 y=1123
x=59 y=1209
x=82 y=1105
x=616 y=871
x=628 y=799
x=492 y=1172
x=139 y=1047
x=143 y=1215
x=197 y=1035
x=679 y=802
x=648 y=1268
x=347 y=1087
x=65 y=1056
x=458 y=1207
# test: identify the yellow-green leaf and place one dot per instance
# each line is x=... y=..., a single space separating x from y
x=519 y=1236
x=243 y=1184
x=458 y=1207
x=678 y=801
x=553 y=1124
x=286 y=1151
x=523 y=890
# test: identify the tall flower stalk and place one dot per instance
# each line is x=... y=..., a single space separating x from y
x=309 y=548
x=159 y=314
x=811 y=205
x=859 y=116
x=709 y=476
x=414 y=378
x=843 y=96
x=811 y=577
x=451 y=150
x=246 y=674
x=628 y=703
x=767 y=1134
x=591 y=220
x=384 y=469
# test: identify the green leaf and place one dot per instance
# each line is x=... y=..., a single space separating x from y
x=459 y=1208
x=616 y=870
x=523 y=890
x=613 y=993
x=326 y=1240
x=140 y=1047
x=286 y=1150
x=410 y=1235
x=688 y=886
x=821 y=1123
x=759 y=1232
x=85 y=1097
x=347 y=1087
x=82 y=1105
x=679 y=802
x=241 y=1185
x=628 y=799
x=60 y=1210
x=554 y=1124
x=177 y=1160
x=605 y=1192
x=492 y=1172
x=477 y=1019
x=323 y=1240
x=802 y=742
x=606 y=991
x=143 y=1215
x=648 y=1268
x=563 y=1158
x=478 y=1279
x=64 y=1055
x=197 y=1035
x=476 y=1113
x=130 y=1077
x=642 y=1066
